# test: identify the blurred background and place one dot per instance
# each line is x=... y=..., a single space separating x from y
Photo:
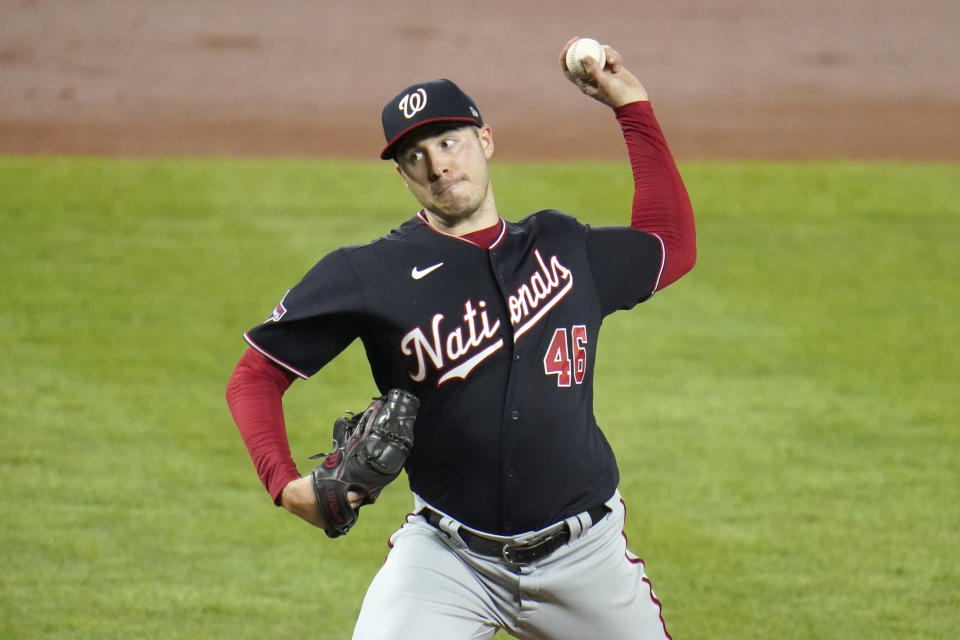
x=785 y=419
x=730 y=78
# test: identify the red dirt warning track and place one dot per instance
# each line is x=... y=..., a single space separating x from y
x=728 y=79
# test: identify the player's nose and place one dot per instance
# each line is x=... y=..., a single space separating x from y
x=436 y=165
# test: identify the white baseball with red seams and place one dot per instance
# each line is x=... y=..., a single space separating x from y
x=581 y=49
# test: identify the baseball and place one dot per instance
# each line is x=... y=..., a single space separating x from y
x=579 y=50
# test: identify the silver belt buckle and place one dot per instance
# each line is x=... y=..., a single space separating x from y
x=526 y=545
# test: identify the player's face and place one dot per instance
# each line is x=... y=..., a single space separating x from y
x=447 y=171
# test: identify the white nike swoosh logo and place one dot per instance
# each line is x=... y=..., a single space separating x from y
x=416 y=274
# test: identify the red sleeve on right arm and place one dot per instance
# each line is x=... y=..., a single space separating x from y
x=255 y=398
x=660 y=202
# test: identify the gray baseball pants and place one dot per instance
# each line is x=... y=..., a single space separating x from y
x=431 y=587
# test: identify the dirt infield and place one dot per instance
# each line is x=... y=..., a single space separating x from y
x=737 y=78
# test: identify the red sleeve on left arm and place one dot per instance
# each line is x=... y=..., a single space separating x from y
x=660 y=202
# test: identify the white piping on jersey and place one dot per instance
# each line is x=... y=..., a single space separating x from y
x=663 y=262
x=503 y=231
x=274 y=358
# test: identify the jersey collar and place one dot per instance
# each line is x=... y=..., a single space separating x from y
x=496 y=241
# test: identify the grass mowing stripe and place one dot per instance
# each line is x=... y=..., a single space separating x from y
x=784 y=417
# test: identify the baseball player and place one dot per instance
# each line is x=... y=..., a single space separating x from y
x=492 y=326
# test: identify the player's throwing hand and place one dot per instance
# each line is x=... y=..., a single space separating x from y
x=612 y=84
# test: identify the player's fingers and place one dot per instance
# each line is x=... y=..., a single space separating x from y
x=614 y=60
x=591 y=90
x=356 y=499
x=587 y=85
x=563 y=52
x=594 y=71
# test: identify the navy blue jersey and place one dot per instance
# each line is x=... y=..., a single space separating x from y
x=499 y=344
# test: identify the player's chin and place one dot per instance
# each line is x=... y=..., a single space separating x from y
x=455 y=206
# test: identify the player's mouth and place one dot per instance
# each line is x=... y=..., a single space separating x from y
x=440 y=189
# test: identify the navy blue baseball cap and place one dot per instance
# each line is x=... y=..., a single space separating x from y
x=424 y=103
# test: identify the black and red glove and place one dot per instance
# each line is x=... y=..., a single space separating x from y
x=369 y=451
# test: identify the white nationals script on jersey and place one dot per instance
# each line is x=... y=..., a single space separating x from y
x=466 y=345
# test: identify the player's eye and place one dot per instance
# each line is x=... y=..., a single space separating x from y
x=414 y=156
x=448 y=142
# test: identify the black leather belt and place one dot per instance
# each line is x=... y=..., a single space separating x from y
x=516 y=552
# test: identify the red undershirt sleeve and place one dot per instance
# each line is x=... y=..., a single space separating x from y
x=661 y=205
x=254 y=396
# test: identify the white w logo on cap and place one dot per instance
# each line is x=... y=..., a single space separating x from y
x=413 y=103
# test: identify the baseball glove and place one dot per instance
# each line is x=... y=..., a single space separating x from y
x=369 y=451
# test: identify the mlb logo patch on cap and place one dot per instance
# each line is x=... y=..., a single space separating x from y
x=420 y=104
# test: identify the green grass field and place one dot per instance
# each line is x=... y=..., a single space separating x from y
x=785 y=417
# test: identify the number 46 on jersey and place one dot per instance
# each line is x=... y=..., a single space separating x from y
x=566 y=356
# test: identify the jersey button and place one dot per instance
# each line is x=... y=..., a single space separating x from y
x=515 y=415
x=511 y=473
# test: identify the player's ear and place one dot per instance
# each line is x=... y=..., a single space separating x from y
x=485 y=136
x=396 y=165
